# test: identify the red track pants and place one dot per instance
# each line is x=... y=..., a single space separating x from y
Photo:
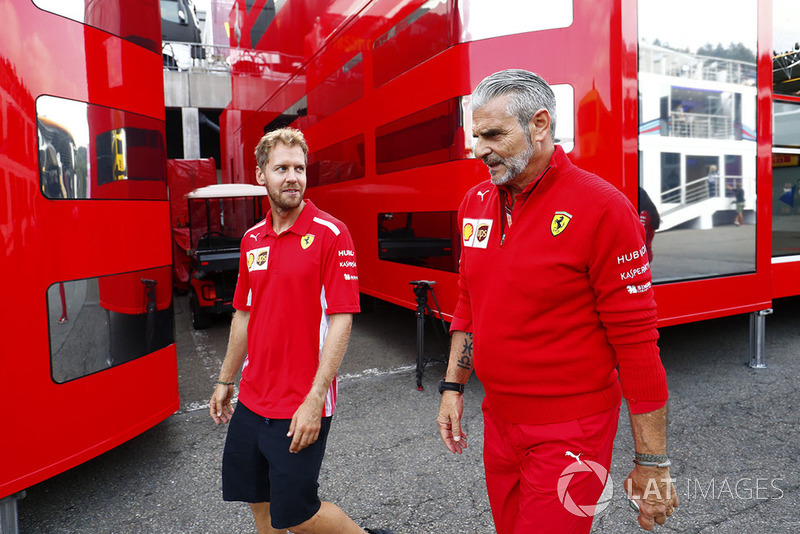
x=534 y=486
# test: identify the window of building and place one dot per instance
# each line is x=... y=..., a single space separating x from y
x=421 y=35
x=339 y=162
x=786 y=124
x=293 y=116
x=423 y=138
x=138 y=22
x=97 y=323
x=786 y=47
x=483 y=20
x=704 y=114
x=423 y=238
x=262 y=22
x=697 y=129
x=565 y=118
x=786 y=181
x=734 y=174
x=93 y=152
x=670 y=177
x=341 y=88
x=443 y=132
x=701 y=177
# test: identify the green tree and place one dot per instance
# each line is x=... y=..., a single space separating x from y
x=735 y=51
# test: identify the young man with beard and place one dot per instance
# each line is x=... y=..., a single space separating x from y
x=294 y=300
x=555 y=295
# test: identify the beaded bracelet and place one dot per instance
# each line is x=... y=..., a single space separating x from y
x=221 y=383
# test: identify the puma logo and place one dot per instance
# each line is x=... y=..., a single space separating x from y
x=576 y=456
x=481 y=193
x=254 y=236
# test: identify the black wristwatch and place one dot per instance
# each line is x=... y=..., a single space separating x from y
x=450 y=386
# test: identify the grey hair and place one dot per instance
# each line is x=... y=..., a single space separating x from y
x=529 y=93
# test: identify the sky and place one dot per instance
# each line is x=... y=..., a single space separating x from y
x=693 y=23
x=202 y=5
x=786 y=16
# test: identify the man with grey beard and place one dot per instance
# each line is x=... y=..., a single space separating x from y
x=555 y=296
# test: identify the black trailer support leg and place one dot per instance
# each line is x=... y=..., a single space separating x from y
x=421 y=288
x=421 y=309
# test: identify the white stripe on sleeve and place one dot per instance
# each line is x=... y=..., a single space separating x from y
x=329 y=224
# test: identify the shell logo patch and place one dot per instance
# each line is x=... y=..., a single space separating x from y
x=306 y=241
x=258 y=259
x=559 y=223
x=476 y=232
x=468 y=231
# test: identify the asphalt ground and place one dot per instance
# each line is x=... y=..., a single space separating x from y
x=733 y=437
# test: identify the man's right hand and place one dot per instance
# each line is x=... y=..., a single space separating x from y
x=449 y=419
x=655 y=495
x=220 y=405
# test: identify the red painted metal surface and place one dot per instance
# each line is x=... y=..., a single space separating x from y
x=45 y=241
x=596 y=55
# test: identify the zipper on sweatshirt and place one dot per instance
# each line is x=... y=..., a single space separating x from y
x=502 y=216
x=504 y=227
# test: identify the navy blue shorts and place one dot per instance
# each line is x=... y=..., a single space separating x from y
x=258 y=467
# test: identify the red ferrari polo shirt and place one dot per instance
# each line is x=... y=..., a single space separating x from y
x=290 y=283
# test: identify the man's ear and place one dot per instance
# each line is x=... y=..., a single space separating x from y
x=539 y=125
x=260 y=178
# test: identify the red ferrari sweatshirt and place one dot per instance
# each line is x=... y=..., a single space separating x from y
x=558 y=296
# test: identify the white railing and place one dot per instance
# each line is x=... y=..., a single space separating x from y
x=197 y=57
x=686 y=194
x=660 y=60
x=226 y=60
x=700 y=125
x=697 y=191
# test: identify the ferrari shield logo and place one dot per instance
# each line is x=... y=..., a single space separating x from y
x=559 y=223
x=306 y=241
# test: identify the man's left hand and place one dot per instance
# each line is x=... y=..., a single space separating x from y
x=305 y=425
x=652 y=489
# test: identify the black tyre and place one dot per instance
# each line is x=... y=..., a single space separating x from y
x=200 y=319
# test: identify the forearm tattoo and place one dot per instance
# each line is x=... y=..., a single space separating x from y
x=465 y=360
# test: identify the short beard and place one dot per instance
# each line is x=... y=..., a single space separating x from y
x=514 y=165
x=281 y=204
